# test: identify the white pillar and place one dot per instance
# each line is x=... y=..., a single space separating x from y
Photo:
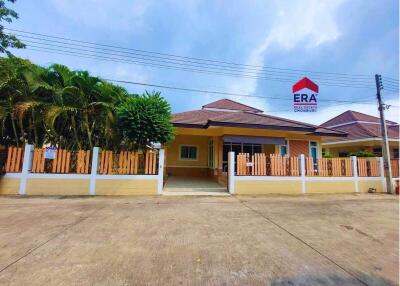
x=355 y=172
x=231 y=172
x=303 y=173
x=93 y=172
x=26 y=167
x=382 y=173
x=161 y=158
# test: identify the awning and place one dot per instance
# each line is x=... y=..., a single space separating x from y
x=254 y=140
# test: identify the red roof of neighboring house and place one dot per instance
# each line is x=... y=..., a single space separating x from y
x=230 y=105
x=305 y=82
x=246 y=119
x=350 y=116
x=360 y=126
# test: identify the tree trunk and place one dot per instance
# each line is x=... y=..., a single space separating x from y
x=89 y=133
x=14 y=130
x=75 y=133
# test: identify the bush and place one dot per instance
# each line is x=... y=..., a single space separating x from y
x=362 y=153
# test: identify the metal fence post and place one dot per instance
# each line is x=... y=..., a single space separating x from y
x=93 y=172
x=26 y=167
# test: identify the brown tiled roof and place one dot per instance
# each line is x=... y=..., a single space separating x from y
x=360 y=126
x=351 y=116
x=230 y=105
x=361 y=130
x=205 y=118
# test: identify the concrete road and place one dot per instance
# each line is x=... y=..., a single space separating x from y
x=275 y=240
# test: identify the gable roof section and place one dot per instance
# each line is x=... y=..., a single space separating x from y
x=357 y=131
x=350 y=116
x=231 y=105
x=305 y=82
x=205 y=118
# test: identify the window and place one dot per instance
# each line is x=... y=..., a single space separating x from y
x=188 y=152
x=211 y=154
x=283 y=149
x=238 y=148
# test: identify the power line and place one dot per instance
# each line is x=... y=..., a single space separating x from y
x=204 y=71
x=193 y=58
x=224 y=93
x=153 y=58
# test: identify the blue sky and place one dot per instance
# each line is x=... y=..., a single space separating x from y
x=343 y=36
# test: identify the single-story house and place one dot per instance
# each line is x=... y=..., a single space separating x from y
x=364 y=133
x=205 y=136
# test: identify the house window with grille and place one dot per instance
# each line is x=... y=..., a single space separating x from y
x=188 y=152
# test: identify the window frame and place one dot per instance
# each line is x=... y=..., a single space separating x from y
x=188 y=159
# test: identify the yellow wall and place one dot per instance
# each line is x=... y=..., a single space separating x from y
x=126 y=187
x=57 y=186
x=256 y=187
x=364 y=185
x=172 y=151
x=9 y=186
x=331 y=186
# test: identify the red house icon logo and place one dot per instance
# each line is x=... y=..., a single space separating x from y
x=305 y=93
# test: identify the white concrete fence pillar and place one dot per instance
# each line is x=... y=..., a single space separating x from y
x=303 y=173
x=161 y=159
x=93 y=171
x=355 y=172
x=382 y=174
x=26 y=167
x=231 y=172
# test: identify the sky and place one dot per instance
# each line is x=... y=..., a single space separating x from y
x=330 y=36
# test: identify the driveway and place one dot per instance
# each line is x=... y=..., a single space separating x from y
x=274 y=240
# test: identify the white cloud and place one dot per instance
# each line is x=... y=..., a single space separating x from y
x=296 y=22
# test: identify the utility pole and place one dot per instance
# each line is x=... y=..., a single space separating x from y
x=385 y=142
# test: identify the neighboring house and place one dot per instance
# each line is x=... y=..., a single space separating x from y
x=204 y=138
x=364 y=133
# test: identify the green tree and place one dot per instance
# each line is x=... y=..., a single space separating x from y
x=74 y=110
x=145 y=119
x=8 y=40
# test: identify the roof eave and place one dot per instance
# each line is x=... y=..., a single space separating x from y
x=327 y=134
x=187 y=125
x=258 y=126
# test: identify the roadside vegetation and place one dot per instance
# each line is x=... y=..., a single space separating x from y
x=74 y=110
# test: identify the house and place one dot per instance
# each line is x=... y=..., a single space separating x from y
x=364 y=133
x=205 y=136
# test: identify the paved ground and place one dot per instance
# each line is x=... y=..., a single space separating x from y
x=193 y=186
x=278 y=240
